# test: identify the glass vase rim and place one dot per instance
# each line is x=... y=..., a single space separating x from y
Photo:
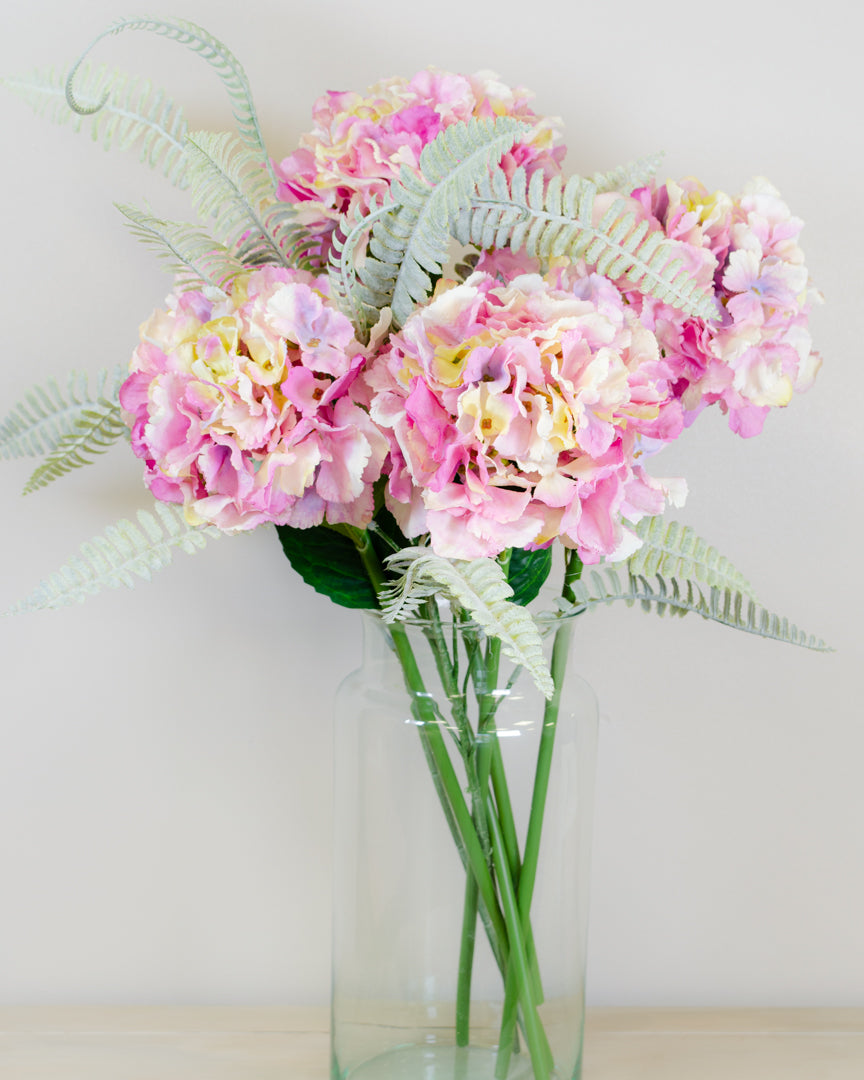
x=547 y=621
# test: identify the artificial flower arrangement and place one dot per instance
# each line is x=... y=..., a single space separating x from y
x=421 y=437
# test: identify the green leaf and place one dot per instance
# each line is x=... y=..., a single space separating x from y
x=527 y=572
x=329 y=562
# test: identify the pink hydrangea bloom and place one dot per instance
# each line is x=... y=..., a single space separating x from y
x=242 y=406
x=515 y=412
x=757 y=352
x=360 y=142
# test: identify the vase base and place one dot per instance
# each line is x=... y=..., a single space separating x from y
x=433 y=1062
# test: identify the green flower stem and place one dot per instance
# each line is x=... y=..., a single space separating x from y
x=443 y=774
x=502 y=801
x=527 y=878
x=490 y=762
x=470 y=909
x=448 y=674
x=535 y=1036
x=506 y=929
x=505 y=811
x=466 y=960
x=430 y=732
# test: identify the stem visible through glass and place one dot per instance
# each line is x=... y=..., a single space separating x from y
x=498 y=886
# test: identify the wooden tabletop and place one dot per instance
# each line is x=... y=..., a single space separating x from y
x=292 y=1044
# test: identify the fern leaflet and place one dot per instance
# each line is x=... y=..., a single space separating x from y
x=124 y=553
x=227 y=66
x=480 y=587
x=729 y=607
x=674 y=550
x=134 y=114
x=46 y=415
x=550 y=219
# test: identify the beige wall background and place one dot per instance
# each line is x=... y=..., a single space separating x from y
x=165 y=765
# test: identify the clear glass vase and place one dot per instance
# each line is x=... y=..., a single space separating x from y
x=463 y=804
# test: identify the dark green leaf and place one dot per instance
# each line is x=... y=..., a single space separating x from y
x=527 y=572
x=329 y=562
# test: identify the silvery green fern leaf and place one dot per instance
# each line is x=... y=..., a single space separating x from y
x=481 y=588
x=352 y=232
x=221 y=59
x=675 y=551
x=412 y=242
x=194 y=258
x=124 y=553
x=549 y=219
x=95 y=431
x=729 y=607
x=47 y=414
x=228 y=183
x=627 y=178
x=134 y=114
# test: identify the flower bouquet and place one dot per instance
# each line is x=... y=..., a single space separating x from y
x=432 y=361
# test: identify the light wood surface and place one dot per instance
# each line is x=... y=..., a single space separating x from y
x=292 y=1044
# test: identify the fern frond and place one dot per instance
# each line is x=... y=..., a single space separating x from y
x=221 y=59
x=134 y=114
x=342 y=266
x=550 y=219
x=481 y=588
x=193 y=257
x=124 y=553
x=47 y=414
x=674 y=550
x=227 y=182
x=412 y=242
x=627 y=178
x=729 y=607
x=95 y=431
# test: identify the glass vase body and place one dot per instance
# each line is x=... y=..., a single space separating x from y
x=433 y=977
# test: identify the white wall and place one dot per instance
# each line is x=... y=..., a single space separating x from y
x=164 y=775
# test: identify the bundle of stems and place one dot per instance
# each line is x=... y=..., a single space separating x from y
x=499 y=878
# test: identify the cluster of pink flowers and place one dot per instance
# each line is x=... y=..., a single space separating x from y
x=513 y=408
x=242 y=406
x=359 y=142
x=514 y=412
x=757 y=351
